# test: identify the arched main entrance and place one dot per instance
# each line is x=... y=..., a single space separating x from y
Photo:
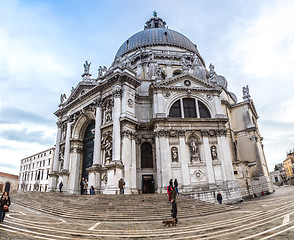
x=88 y=149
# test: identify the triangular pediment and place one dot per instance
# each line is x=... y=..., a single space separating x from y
x=81 y=89
x=185 y=80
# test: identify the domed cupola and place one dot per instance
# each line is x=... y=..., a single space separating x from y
x=155 y=33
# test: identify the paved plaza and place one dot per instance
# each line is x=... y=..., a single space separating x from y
x=61 y=216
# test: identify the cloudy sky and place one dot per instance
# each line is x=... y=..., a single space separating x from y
x=43 y=45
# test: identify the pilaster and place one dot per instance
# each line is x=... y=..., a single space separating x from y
x=116 y=138
x=208 y=159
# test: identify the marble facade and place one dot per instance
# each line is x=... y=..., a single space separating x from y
x=157 y=114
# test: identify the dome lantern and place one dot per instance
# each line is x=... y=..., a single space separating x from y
x=155 y=22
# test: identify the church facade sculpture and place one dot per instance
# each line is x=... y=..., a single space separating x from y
x=158 y=113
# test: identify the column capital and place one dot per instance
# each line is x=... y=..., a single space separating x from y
x=116 y=91
x=221 y=132
x=59 y=123
x=204 y=133
x=97 y=102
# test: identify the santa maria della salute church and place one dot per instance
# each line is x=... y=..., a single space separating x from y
x=159 y=113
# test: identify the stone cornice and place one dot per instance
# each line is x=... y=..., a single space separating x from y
x=191 y=120
x=197 y=89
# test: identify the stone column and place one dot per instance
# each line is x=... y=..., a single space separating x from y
x=208 y=159
x=74 y=177
x=54 y=175
x=94 y=170
x=221 y=156
x=226 y=159
x=165 y=160
x=134 y=167
x=67 y=145
x=127 y=159
x=184 y=159
x=97 y=141
x=65 y=170
x=116 y=138
x=158 y=164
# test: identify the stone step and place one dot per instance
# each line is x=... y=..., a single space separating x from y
x=104 y=207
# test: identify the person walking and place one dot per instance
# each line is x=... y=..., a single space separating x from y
x=4 y=205
x=86 y=186
x=219 y=198
x=60 y=186
x=169 y=191
x=174 y=210
x=173 y=192
x=121 y=185
x=176 y=186
x=82 y=186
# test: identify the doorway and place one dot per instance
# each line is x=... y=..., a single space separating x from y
x=147 y=184
x=88 y=149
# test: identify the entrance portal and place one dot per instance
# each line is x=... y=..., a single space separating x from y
x=88 y=149
x=147 y=184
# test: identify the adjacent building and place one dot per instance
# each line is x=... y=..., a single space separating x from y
x=158 y=113
x=8 y=182
x=35 y=170
x=289 y=165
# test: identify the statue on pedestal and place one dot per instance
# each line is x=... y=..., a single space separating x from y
x=194 y=149
x=86 y=67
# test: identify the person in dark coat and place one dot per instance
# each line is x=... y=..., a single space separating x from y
x=121 y=185
x=174 y=210
x=82 y=186
x=4 y=204
x=173 y=192
x=60 y=186
x=176 y=186
x=219 y=198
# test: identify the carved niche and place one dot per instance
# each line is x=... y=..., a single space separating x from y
x=194 y=149
x=213 y=151
x=107 y=110
x=107 y=147
x=174 y=154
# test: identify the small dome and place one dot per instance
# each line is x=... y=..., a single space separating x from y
x=154 y=34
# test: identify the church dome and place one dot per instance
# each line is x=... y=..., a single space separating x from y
x=155 y=33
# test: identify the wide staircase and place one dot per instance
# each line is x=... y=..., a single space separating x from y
x=126 y=208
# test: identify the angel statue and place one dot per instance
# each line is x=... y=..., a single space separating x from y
x=62 y=98
x=86 y=67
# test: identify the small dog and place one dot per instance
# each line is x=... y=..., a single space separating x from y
x=169 y=222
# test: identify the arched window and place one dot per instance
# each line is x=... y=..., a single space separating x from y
x=146 y=155
x=189 y=108
x=175 y=110
x=203 y=110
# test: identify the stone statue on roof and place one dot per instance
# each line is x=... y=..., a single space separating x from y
x=211 y=70
x=86 y=67
x=246 y=95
